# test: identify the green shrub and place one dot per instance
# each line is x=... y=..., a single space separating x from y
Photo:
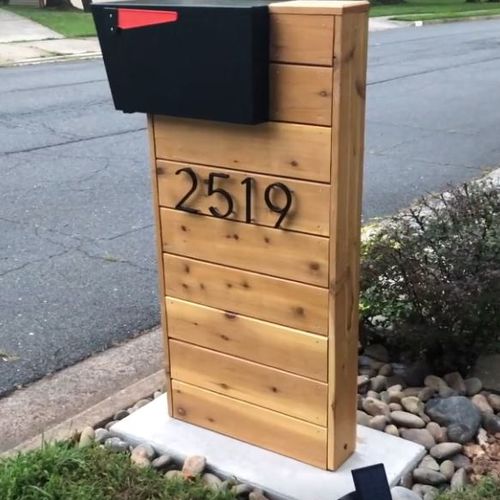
x=430 y=277
x=486 y=489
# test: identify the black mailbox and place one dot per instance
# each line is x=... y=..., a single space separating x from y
x=187 y=58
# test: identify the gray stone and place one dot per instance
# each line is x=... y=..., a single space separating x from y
x=378 y=422
x=385 y=370
x=491 y=423
x=420 y=436
x=257 y=495
x=367 y=362
x=110 y=424
x=87 y=437
x=367 y=371
x=378 y=352
x=174 y=474
x=395 y=396
x=407 y=480
x=396 y=380
x=375 y=407
x=211 y=481
x=414 y=373
x=372 y=394
x=116 y=444
x=428 y=476
x=447 y=468
x=157 y=394
x=140 y=461
x=413 y=405
x=378 y=383
x=456 y=382
x=241 y=489
x=392 y=430
x=120 y=414
x=431 y=495
x=363 y=383
x=435 y=382
x=384 y=396
x=487 y=369
x=429 y=462
x=161 y=462
x=494 y=401
x=447 y=392
x=400 y=493
x=426 y=393
x=425 y=489
x=406 y=419
x=461 y=461
x=411 y=391
x=194 y=465
x=459 y=479
x=363 y=418
x=445 y=450
x=472 y=386
x=453 y=412
x=438 y=432
x=395 y=407
x=141 y=403
x=144 y=450
x=482 y=404
x=101 y=435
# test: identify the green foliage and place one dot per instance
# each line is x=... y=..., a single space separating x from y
x=486 y=489
x=62 y=471
x=430 y=277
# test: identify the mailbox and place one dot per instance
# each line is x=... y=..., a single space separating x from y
x=258 y=224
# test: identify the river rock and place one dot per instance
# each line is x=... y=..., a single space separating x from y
x=241 y=489
x=429 y=462
x=87 y=437
x=363 y=418
x=456 y=382
x=445 y=450
x=257 y=495
x=140 y=461
x=494 y=401
x=161 y=462
x=120 y=415
x=420 y=436
x=425 y=490
x=193 y=465
x=428 y=476
x=457 y=413
x=144 y=450
x=482 y=404
x=447 y=468
x=412 y=373
x=392 y=430
x=377 y=352
x=406 y=419
x=400 y=493
x=459 y=479
x=375 y=407
x=491 y=423
x=378 y=383
x=385 y=370
x=395 y=407
x=116 y=444
x=378 y=422
x=384 y=396
x=447 y=392
x=426 y=393
x=435 y=382
x=460 y=461
x=363 y=383
x=211 y=481
x=438 y=432
x=373 y=394
x=101 y=435
x=174 y=474
x=413 y=405
x=472 y=386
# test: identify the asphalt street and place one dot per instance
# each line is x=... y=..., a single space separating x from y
x=77 y=264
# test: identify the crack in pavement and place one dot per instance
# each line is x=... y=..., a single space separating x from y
x=48 y=87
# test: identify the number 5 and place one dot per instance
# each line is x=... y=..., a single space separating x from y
x=211 y=190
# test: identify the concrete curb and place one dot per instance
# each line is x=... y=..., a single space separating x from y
x=423 y=22
x=53 y=59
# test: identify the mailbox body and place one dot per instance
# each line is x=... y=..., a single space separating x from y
x=210 y=61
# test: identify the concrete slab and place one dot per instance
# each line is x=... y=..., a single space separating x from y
x=14 y=28
x=279 y=476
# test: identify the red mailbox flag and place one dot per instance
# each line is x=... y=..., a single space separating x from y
x=138 y=18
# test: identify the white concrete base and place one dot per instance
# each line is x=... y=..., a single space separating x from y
x=277 y=475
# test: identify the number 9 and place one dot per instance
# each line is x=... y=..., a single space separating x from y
x=283 y=211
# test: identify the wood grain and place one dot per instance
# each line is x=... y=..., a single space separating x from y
x=270 y=388
x=267 y=343
x=316 y=7
x=300 y=94
x=275 y=252
x=301 y=39
x=285 y=149
x=309 y=212
x=253 y=424
x=287 y=303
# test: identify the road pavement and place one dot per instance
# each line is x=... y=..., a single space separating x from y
x=77 y=265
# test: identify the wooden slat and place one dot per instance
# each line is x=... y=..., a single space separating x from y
x=159 y=255
x=309 y=212
x=347 y=165
x=270 y=388
x=285 y=254
x=272 y=299
x=287 y=149
x=266 y=343
x=259 y=426
x=301 y=39
x=300 y=94
x=315 y=7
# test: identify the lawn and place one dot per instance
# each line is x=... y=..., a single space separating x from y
x=67 y=22
x=63 y=471
x=414 y=10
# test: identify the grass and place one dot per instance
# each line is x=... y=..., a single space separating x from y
x=68 y=22
x=415 y=10
x=486 y=489
x=63 y=471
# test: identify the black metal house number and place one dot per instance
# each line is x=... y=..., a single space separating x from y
x=248 y=183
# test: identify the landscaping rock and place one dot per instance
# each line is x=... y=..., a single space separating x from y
x=140 y=461
x=241 y=489
x=395 y=407
x=378 y=422
x=459 y=479
x=447 y=392
x=406 y=419
x=413 y=374
x=445 y=450
x=413 y=405
x=487 y=368
x=482 y=404
x=491 y=423
x=363 y=418
x=456 y=382
x=377 y=352
x=385 y=370
x=392 y=430
x=426 y=393
x=157 y=394
x=101 y=435
x=363 y=383
x=384 y=396
x=438 y=432
x=378 y=383
x=428 y=476
x=395 y=394
x=494 y=401
x=435 y=382
x=116 y=444
x=144 y=450
x=472 y=386
x=141 y=403
x=257 y=495
x=120 y=415
x=400 y=493
x=212 y=482
x=461 y=461
x=447 y=468
x=458 y=413
x=174 y=474
x=420 y=436
x=396 y=380
x=87 y=437
x=375 y=407
x=110 y=424
x=424 y=490
x=429 y=462
x=194 y=465
x=161 y=462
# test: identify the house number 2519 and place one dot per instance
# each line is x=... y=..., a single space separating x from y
x=248 y=183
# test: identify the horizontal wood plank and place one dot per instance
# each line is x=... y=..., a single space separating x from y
x=288 y=303
x=301 y=39
x=300 y=94
x=315 y=7
x=253 y=424
x=266 y=343
x=309 y=212
x=285 y=254
x=284 y=149
x=270 y=388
